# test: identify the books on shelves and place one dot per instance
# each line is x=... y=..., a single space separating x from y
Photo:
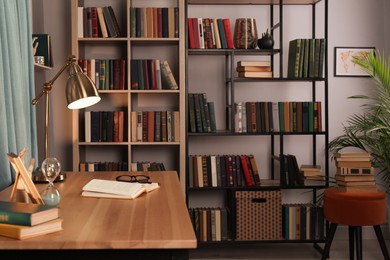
x=103 y=166
x=201 y=114
x=102 y=23
x=256 y=63
x=116 y=189
x=210 y=223
x=255 y=74
x=155 y=126
x=306 y=58
x=253 y=68
x=97 y=21
x=42 y=49
x=167 y=74
x=254 y=71
x=223 y=171
x=111 y=22
x=290 y=174
x=152 y=74
x=209 y=33
x=154 y=22
x=26 y=214
x=107 y=74
x=303 y=221
x=105 y=126
x=24 y=232
x=312 y=174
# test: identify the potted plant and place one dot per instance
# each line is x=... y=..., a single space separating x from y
x=370 y=129
x=266 y=41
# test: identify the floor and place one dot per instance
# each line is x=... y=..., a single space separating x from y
x=301 y=251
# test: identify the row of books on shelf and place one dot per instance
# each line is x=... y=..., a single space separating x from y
x=154 y=22
x=201 y=114
x=209 y=33
x=306 y=58
x=107 y=74
x=97 y=21
x=152 y=74
x=210 y=224
x=223 y=171
x=155 y=126
x=303 y=221
x=120 y=166
x=254 y=69
x=26 y=220
x=105 y=126
x=283 y=116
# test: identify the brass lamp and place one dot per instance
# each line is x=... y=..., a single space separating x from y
x=81 y=92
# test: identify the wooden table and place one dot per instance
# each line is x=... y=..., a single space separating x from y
x=156 y=225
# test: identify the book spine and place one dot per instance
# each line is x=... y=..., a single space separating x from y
x=15 y=218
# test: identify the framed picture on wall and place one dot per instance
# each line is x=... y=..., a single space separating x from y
x=343 y=65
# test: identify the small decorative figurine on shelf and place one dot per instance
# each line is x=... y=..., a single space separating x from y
x=266 y=41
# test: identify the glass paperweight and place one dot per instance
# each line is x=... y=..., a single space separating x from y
x=51 y=168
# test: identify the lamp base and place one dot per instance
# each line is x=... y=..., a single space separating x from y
x=39 y=177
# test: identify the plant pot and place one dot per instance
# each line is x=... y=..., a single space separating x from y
x=265 y=43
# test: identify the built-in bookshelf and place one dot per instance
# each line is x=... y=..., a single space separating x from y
x=123 y=45
x=261 y=111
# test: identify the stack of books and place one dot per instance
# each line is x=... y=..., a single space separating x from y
x=354 y=172
x=26 y=220
x=312 y=174
x=254 y=69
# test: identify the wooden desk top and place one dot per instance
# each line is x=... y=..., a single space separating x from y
x=155 y=220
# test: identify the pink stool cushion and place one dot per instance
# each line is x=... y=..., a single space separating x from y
x=355 y=208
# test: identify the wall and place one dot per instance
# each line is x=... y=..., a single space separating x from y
x=53 y=17
x=352 y=23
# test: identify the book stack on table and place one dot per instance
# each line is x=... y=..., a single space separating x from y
x=354 y=172
x=26 y=220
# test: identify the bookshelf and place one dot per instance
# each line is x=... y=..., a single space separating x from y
x=128 y=47
x=213 y=71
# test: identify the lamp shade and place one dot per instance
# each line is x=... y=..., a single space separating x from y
x=80 y=90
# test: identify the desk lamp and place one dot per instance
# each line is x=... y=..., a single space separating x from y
x=81 y=92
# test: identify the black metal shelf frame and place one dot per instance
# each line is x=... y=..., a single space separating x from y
x=231 y=83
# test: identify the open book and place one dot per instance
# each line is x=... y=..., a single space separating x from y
x=116 y=189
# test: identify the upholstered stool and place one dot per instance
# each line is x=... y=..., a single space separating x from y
x=354 y=209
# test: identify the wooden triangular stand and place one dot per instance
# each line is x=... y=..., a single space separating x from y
x=23 y=178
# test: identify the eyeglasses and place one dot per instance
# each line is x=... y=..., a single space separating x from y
x=133 y=178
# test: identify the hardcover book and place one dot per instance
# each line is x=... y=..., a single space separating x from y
x=26 y=214
x=116 y=189
x=255 y=74
x=168 y=75
x=25 y=232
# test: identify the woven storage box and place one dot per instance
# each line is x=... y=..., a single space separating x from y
x=259 y=215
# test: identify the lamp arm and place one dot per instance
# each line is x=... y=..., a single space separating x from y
x=49 y=85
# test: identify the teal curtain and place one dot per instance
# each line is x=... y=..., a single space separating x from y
x=18 y=124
